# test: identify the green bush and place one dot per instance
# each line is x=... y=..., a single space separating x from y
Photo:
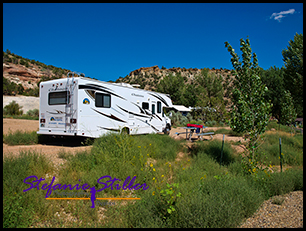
x=210 y=123
x=278 y=183
x=33 y=113
x=12 y=108
x=177 y=119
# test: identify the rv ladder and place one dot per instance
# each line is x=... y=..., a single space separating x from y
x=69 y=105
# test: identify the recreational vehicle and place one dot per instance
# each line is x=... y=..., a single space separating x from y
x=80 y=106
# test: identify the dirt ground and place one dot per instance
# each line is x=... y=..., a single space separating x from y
x=32 y=125
x=51 y=151
x=23 y=125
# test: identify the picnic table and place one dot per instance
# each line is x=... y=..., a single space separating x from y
x=195 y=128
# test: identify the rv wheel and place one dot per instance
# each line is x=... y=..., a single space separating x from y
x=167 y=130
x=125 y=131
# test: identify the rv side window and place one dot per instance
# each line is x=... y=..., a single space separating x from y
x=159 y=107
x=145 y=105
x=56 y=98
x=102 y=100
x=153 y=109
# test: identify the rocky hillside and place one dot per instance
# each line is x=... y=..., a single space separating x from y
x=149 y=77
x=28 y=72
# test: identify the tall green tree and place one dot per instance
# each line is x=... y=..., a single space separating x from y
x=293 y=60
x=172 y=85
x=250 y=111
x=189 y=95
x=288 y=114
x=273 y=78
x=210 y=95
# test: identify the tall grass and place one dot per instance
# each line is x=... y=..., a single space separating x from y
x=278 y=127
x=212 y=196
x=19 y=138
x=19 y=208
x=26 y=138
x=195 y=191
x=292 y=148
x=214 y=149
x=120 y=156
x=24 y=117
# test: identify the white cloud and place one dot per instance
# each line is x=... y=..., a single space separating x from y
x=280 y=15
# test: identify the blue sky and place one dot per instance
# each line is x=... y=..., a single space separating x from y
x=106 y=41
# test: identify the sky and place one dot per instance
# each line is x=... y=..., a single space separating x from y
x=109 y=40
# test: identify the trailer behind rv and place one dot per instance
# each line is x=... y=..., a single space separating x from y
x=80 y=106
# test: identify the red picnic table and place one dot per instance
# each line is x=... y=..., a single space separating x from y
x=191 y=128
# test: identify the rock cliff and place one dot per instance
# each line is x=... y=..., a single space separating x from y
x=149 y=77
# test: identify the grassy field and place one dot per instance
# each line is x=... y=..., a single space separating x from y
x=24 y=116
x=193 y=190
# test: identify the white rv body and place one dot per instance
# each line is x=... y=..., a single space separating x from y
x=80 y=106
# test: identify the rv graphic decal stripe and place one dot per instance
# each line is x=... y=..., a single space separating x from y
x=98 y=88
x=94 y=85
x=132 y=112
x=149 y=124
x=141 y=110
x=110 y=129
x=160 y=98
x=90 y=95
x=155 y=128
x=111 y=116
x=143 y=121
x=57 y=112
x=158 y=117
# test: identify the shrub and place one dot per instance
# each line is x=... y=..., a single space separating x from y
x=210 y=123
x=33 y=113
x=177 y=119
x=12 y=108
x=218 y=202
x=278 y=183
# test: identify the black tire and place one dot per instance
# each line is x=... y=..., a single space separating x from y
x=167 y=130
x=125 y=131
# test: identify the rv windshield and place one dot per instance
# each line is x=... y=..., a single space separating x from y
x=56 y=98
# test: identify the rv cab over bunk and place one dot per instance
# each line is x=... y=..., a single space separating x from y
x=80 y=106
